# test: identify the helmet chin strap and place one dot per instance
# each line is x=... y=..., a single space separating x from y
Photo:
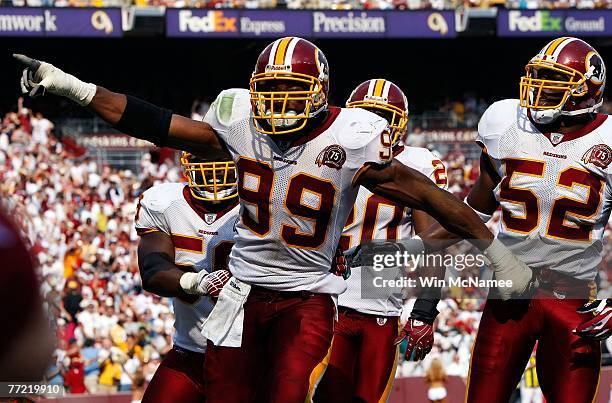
x=546 y=116
x=220 y=194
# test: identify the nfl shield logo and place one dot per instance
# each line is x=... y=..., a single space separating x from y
x=556 y=138
x=209 y=218
x=381 y=321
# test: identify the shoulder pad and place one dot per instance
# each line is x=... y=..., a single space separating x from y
x=159 y=197
x=230 y=105
x=357 y=127
x=418 y=158
x=498 y=117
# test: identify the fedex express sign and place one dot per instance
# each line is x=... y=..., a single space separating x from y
x=233 y=23
x=308 y=24
x=554 y=23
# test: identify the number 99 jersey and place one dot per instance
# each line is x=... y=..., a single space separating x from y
x=295 y=197
x=555 y=189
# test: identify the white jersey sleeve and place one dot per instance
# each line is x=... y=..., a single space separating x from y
x=230 y=106
x=365 y=138
x=425 y=162
x=151 y=207
x=494 y=122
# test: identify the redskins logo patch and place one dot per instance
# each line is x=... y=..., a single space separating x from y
x=332 y=156
x=599 y=155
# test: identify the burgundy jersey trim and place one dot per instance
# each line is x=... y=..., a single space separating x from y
x=334 y=111
x=199 y=207
x=586 y=129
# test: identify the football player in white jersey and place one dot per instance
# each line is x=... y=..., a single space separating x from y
x=187 y=228
x=546 y=162
x=300 y=163
x=364 y=351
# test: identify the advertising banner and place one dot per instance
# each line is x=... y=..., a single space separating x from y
x=309 y=24
x=61 y=22
x=554 y=22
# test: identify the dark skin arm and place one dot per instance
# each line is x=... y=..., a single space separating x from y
x=185 y=133
x=481 y=197
x=411 y=188
x=163 y=283
x=422 y=221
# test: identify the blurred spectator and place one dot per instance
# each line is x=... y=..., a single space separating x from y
x=74 y=375
x=91 y=354
x=436 y=378
x=110 y=374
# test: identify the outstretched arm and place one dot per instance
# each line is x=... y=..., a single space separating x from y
x=128 y=114
x=481 y=199
x=411 y=188
x=408 y=187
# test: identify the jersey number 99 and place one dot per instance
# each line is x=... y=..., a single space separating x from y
x=255 y=184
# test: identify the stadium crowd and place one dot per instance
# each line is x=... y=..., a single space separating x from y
x=321 y=4
x=77 y=216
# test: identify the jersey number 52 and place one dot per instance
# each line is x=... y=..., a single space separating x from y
x=563 y=207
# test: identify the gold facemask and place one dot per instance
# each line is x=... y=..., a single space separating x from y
x=210 y=181
x=270 y=107
x=532 y=89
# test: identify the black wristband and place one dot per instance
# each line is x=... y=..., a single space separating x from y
x=153 y=263
x=145 y=121
x=425 y=310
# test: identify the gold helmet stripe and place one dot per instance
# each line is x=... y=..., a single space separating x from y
x=281 y=51
x=552 y=46
x=378 y=88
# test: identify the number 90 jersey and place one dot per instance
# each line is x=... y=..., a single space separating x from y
x=201 y=240
x=555 y=189
x=374 y=217
x=295 y=197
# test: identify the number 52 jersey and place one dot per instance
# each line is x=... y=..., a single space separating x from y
x=295 y=198
x=555 y=189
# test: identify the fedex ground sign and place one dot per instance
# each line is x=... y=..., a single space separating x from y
x=554 y=23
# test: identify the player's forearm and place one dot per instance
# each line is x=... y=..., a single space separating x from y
x=128 y=114
x=165 y=283
x=418 y=191
x=436 y=238
x=108 y=105
x=160 y=275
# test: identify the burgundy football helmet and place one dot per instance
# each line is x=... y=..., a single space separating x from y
x=567 y=77
x=385 y=99
x=303 y=68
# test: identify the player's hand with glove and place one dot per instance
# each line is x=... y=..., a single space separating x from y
x=363 y=255
x=419 y=329
x=420 y=339
x=599 y=325
x=39 y=77
x=508 y=268
x=205 y=283
x=340 y=266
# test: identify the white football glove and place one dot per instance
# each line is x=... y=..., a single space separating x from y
x=509 y=268
x=205 y=283
x=39 y=77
